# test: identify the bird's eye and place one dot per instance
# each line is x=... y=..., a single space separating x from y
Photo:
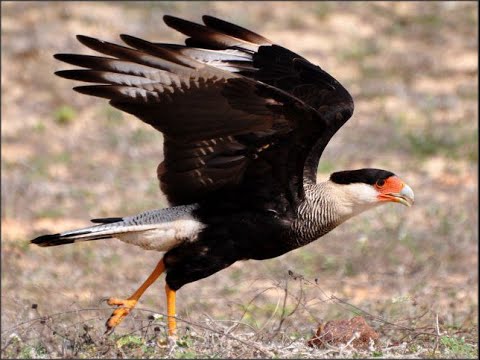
x=380 y=182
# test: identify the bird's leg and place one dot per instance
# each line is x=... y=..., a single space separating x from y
x=126 y=305
x=171 y=321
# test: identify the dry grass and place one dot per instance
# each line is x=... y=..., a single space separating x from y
x=66 y=158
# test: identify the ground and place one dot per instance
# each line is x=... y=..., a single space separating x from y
x=410 y=272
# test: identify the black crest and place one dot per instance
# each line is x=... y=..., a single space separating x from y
x=367 y=176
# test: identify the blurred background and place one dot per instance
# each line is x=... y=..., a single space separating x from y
x=412 y=69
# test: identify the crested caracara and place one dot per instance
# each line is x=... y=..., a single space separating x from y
x=245 y=122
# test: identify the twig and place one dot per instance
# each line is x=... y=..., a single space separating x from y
x=46 y=317
x=263 y=351
x=365 y=313
x=438 y=335
x=253 y=299
x=271 y=316
x=355 y=335
x=283 y=317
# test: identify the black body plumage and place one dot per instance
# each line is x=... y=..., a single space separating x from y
x=227 y=238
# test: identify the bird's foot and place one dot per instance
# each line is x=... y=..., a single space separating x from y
x=124 y=308
x=171 y=344
x=172 y=340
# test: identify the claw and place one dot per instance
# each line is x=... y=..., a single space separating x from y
x=122 y=302
x=124 y=308
x=102 y=300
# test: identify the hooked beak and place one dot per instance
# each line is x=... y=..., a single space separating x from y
x=405 y=196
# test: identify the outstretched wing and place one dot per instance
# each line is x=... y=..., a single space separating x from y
x=224 y=130
x=224 y=45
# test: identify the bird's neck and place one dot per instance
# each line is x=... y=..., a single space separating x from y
x=324 y=208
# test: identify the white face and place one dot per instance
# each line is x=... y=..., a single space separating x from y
x=355 y=198
x=362 y=194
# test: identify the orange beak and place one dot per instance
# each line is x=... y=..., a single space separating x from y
x=395 y=190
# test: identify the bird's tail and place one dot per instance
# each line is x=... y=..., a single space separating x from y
x=155 y=229
x=97 y=232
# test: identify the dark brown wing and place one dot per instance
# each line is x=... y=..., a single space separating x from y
x=230 y=47
x=219 y=127
x=225 y=131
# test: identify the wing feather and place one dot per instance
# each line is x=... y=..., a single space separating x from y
x=238 y=112
x=234 y=30
x=274 y=65
x=203 y=34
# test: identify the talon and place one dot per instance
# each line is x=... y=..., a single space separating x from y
x=125 y=306
x=104 y=299
x=122 y=302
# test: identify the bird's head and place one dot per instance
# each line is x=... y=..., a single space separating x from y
x=362 y=189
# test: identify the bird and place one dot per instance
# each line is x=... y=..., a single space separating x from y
x=244 y=122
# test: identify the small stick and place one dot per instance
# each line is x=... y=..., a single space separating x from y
x=438 y=334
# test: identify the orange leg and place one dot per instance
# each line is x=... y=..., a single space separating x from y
x=171 y=321
x=126 y=305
